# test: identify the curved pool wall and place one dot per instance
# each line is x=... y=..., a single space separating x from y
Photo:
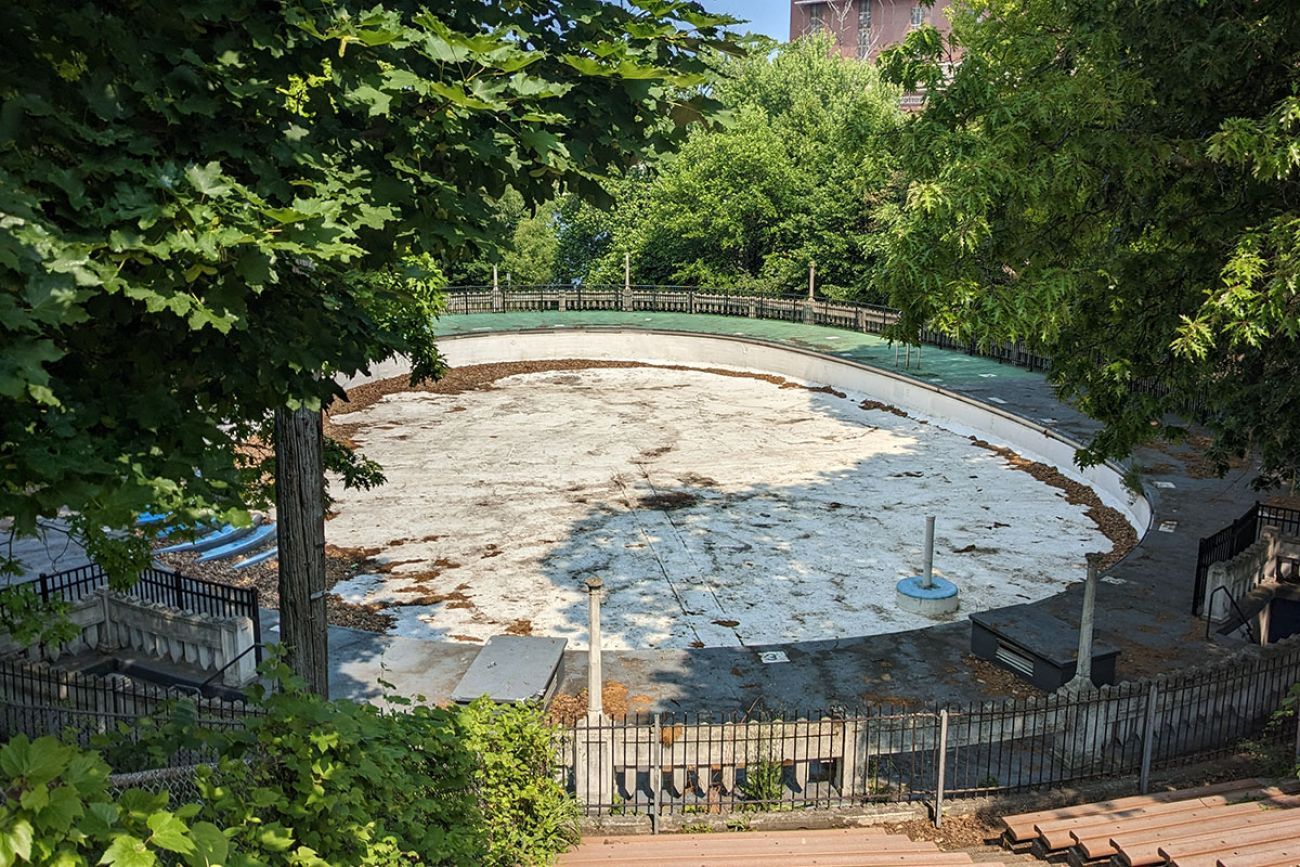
x=953 y=411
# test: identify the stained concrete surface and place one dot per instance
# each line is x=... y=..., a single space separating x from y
x=719 y=510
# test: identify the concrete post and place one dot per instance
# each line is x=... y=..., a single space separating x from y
x=809 y=312
x=595 y=678
x=927 y=572
x=1148 y=739
x=1214 y=607
x=594 y=748
x=497 y=301
x=627 y=302
x=846 y=772
x=1083 y=665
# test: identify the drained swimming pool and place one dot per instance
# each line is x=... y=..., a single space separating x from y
x=721 y=504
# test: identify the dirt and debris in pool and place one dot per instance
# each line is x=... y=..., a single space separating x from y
x=480 y=377
x=1112 y=524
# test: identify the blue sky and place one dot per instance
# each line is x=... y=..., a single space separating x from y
x=769 y=17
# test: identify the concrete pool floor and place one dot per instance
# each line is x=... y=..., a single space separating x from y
x=721 y=510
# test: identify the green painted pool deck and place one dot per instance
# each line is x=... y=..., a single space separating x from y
x=938 y=366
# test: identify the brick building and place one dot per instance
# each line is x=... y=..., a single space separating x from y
x=864 y=28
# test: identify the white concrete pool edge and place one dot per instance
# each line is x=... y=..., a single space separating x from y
x=948 y=409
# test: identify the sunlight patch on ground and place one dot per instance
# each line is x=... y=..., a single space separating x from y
x=718 y=510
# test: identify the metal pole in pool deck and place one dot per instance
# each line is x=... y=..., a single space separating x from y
x=595 y=703
x=927 y=571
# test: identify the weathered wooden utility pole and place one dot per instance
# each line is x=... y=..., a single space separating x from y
x=300 y=531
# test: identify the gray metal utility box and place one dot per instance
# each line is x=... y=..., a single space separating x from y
x=1037 y=646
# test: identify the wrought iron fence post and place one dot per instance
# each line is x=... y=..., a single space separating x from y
x=178 y=588
x=942 y=769
x=45 y=588
x=656 y=772
x=1148 y=739
x=1297 y=734
x=257 y=629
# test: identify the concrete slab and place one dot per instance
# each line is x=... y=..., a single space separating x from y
x=51 y=550
x=513 y=668
x=426 y=671
x=1141 y=610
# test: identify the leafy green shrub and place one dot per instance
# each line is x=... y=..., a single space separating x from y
x=55 y=809
x=529 y=817
x=154 y=741
x=317 y=783
x=764 y=784
x=309 y=782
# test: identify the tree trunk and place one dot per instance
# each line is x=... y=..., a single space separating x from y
x=300 y=530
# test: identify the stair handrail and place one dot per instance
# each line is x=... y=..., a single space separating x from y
x=220 y=671
x=1245 y=621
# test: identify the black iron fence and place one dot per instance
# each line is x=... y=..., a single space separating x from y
x=1237 y=537
x=720 y=301
x=161 y=586
x=660 y=764
x=36 y=700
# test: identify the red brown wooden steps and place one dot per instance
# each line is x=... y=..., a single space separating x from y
x=1020 y=827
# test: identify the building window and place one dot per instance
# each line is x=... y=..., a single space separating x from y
x=864 y=28
x=918 y=16
x=816 y=22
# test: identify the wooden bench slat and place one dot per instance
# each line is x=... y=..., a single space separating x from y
x=1283 y=828
x=1021 y=825
x=739 y=847
x=1266 y=852
x=1261 y=855
x=848 y=847
x=1226 y=822
x=1127 y=837
x=1061 y=833
x=908 y=859
x=831 y=833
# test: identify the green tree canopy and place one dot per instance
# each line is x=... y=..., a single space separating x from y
x=1115 y=183
x=790 y=179
x=526 y=245
x=189 y=191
